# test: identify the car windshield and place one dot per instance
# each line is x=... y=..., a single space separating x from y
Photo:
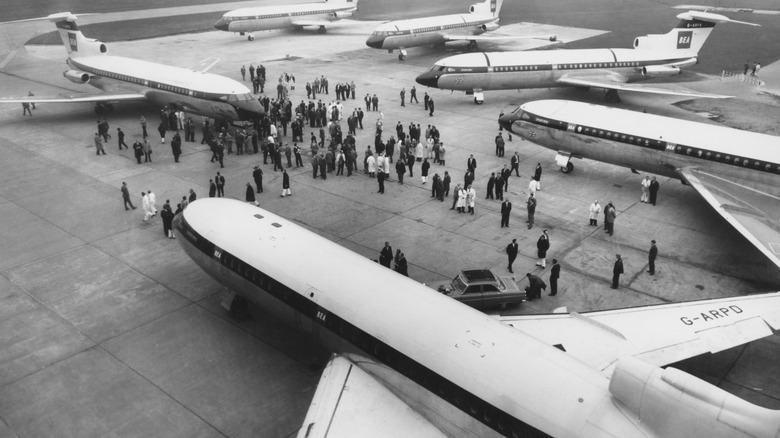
x=458 y=284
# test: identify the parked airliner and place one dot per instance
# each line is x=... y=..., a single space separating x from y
x=612 y=69
x=320 y=14
x=412 y=362
x=126 y=79
x=437 y=30
x=737 y=172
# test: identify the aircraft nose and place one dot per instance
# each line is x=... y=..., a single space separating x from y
x=222 y=24
x=428 y=79
x=375 y=41
x=507 y=120
x=250 y=110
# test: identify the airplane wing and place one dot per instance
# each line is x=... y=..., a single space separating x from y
x=88 y=98
x=483 y=37
x=660 y=334
x=726 y=9
x=755 y=214
x=316 y=23
x=350 y=403
x=528 y=36
x=636 y=88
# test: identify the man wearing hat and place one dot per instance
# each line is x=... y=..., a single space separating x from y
x=257 y=174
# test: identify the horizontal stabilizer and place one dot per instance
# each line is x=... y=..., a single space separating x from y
x=659 y=334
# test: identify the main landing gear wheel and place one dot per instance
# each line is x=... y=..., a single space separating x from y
x=321 y=30
x=250 y=37
x=611 y=96
x=568 y=169
x=401 y=57
x=103 y=108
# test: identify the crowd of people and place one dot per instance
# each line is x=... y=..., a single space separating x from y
x=331 y=147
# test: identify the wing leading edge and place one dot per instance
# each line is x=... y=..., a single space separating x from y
x=754 y=213
x=349 y=403
x=636 y=88
x=660 y=334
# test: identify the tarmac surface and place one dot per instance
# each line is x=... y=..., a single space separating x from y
x=108 y=329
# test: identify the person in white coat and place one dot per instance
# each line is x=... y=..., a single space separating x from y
x=461 y=200
x=152 y=202
x=371 y=165
x=146 y=206
x=418 y=151
x=471 y=198
x=645 y=190
x=595 y=209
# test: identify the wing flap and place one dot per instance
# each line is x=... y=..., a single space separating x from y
x=635 y=88
x=660 y=334
x=754 y=213
x=79 y=99
x=350 y=403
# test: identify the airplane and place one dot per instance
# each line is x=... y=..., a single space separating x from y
x=410 y=361
x=437 y=30
x=737 y=172
x=125 y=79
x=247 y=20
x=652 y=56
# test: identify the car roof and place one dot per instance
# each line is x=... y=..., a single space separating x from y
x=473 y=275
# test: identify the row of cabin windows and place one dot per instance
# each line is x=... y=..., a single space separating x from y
x=262 y=17
x=616 y=136
x=597 y=65
x=728 y=159
x=516 y=68
x=454 y=394
x=139 y=81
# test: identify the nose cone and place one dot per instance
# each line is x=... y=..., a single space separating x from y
x=375 y=41
x=429 y=79
x=507 y=120
x=222 y=24
x=250 y=110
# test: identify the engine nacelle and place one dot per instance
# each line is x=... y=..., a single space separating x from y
x=487 y=27
x=76 y=76
x=653 y=71
x=343 y=14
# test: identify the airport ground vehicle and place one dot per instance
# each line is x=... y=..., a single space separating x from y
x=482 y=289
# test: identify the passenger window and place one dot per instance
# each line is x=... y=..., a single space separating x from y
x=472 y=290
x=489 y=288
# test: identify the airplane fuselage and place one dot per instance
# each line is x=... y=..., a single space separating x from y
x=468 y=373
x=647 y=142
x=428 y=31
x=544 y=69
x=282 y=17
x=205 y=94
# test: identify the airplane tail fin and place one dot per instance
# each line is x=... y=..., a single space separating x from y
x=492 y=7
x=75 y=42
x=689 y=35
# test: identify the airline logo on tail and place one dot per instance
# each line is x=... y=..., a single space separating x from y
x=684 y=39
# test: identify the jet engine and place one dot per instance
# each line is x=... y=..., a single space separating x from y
x=76 y=76
x=343 y=14
x=487 y=27
x=653 y=71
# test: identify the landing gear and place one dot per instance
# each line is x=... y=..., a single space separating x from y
x=102 y=108
x=479 y=98
x=568 y=169
x=250 y=37
x=472 y=46
x=563 y=159
x=402 y=54
x=611 y=96
x=321 y=30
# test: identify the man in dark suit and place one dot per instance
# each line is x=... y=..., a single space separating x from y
x=616 y=271
x=651 y=257
x=511 y=251
x=535 y=286
x=471 y=163
x=386 y=255
x=506 y=208
x=555 y=272
x=490 y=185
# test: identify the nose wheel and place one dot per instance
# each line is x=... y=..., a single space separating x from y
x=568 y=168
x=250 y=37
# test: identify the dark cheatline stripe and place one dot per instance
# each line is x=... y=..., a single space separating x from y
x=479 y=409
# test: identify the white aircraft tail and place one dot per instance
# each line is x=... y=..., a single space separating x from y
x=75 y=42
x=689 y=35
x=492 y=7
